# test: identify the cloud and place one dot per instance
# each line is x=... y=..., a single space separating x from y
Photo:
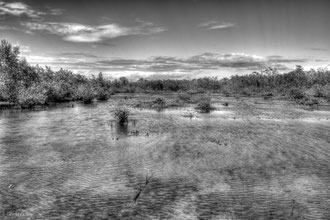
x=280 y=59
x=214 y=25
x=169 y=66
x=319 y=49
x=6 y=28
x=103 y=44
x=205 y=61
x=19 y=9
x=56 y=11
x=76 y=32
x=77 y=54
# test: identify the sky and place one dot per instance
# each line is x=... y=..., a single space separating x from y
x=159 y=39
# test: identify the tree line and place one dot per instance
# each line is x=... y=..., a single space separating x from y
x=25 y=85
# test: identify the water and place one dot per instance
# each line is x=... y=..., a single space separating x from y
x=244 y=161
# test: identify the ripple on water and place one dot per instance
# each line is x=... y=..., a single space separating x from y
x=71 y=163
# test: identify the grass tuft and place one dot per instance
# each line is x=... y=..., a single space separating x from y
x=204 y=106
x=121 y=115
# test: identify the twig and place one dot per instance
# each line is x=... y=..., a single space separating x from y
x=148 y=178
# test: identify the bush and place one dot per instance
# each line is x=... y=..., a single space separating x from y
x=185 y=97
x=309 y=102
x=121 y=115
x=58 y=92
x=320 y=91
x=3 y=95
x=86 y=94
x=102 y=95
x=204 y=105
x=246 y=91
x=160 y=102
x=296 y=93
x=112 y=91
x=32 y=96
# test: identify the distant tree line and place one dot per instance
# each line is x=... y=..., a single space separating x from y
x=25 y=85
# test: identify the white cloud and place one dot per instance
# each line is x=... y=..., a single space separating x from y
x=87 y=33
x=56 y=11
x=201 y=65
x=18 y=9
x=23 y=48
x=214 y=25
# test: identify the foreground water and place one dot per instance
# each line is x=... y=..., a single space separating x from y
x=254 y=159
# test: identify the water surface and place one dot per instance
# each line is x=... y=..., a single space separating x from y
x=254 y=159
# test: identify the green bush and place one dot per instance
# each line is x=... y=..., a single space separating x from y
x=3 y=95
x=204 y=105
x=112 y=91
x=309 y=101
x=57 y=92
x=32 y=96
x=296 y=93
x=185 y=97
x=121 y=115
x=160 y=102
x=86 y=94
x=102 y=95
x=246 y=91
x=321 y=91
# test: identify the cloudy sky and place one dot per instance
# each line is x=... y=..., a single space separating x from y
x=169 y=39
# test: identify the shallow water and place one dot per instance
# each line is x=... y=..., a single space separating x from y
x=254 y=159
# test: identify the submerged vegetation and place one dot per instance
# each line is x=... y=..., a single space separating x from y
x=159 y=103
x=121 y=115
x=26 y=86
x=204 y=105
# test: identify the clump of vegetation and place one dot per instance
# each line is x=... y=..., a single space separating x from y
x=32 y=96
x=86 y=94
x=204 y=105
x=102 y=95
x=296 y=93
x=319 y=91
x=309 y=102
x=268 y=95
x=185 y=97
x=309 y=97
x=159 y=102
x=121 y=115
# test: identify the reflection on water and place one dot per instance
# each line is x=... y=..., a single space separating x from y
x=123 y=129
x=79 y=163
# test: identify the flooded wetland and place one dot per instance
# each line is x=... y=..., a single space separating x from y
x=249 y=158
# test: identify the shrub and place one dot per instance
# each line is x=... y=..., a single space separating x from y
x=58 y=92
x=121 y=115
x=160 y=102
x=86 y=94
x=185 y=97
x=204 y=105
x=32 y=96
x=309 y=101
x=102 y=95
x=320 y=91
x=112 y=91
x=3 y=95
x=296 y=93
x=247 y=91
